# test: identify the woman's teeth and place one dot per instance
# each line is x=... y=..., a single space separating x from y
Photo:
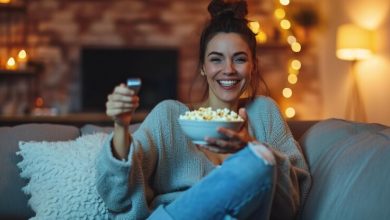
x=228 y=82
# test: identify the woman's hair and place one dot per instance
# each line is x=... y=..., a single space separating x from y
x=230 y=17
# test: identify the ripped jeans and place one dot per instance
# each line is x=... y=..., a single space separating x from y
x=241 y=188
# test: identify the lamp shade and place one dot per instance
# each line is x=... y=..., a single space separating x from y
x=354 y=42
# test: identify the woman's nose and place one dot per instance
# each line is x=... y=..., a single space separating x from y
x=229 y=68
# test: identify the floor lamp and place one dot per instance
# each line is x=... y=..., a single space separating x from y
x=354 y=44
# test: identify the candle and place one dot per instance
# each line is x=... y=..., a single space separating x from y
x=22 y=59
x=11 y=64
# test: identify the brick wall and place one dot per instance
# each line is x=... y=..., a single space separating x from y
x=59 y=29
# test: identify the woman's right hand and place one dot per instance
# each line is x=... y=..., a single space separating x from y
x=121 y=104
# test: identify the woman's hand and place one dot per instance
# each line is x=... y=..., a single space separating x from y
x=236 y=141
x=121 y=105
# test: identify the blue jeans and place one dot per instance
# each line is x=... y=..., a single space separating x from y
x=241 y=188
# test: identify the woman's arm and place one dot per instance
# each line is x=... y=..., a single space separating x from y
x=126 y=186
x=120 y=106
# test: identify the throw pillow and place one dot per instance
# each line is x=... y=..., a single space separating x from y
x=62 y=178
x=13 y=202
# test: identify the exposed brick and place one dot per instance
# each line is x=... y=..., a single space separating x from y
x=58 y=30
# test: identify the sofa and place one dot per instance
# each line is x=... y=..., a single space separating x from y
x=349 y=163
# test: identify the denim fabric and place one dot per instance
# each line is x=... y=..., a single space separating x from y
x=241 y=188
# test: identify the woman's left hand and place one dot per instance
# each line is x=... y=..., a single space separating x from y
x=236 y=139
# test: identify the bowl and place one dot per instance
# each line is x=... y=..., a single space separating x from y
x=197 y=130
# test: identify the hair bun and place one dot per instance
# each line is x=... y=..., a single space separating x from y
x=234 y=8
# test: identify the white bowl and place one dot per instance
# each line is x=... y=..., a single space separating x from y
x=198 y=130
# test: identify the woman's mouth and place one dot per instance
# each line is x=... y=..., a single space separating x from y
x=228 y=83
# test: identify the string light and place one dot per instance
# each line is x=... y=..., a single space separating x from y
x=287 y=92
x=254 y=26
x=291 y=39
x=292 y=71
x=294 y=65
x=290 y=112
x=285 y=24
x=280 y=13
x=292 y=78
x=284 y=2
x=296 y=47
x=261 y=37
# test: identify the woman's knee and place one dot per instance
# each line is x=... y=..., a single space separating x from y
x=262 y=152
x=250 y=166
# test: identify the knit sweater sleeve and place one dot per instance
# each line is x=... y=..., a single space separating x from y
x=293 y=177
x=125 y=186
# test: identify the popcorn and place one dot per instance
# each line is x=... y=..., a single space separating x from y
x=207 y=114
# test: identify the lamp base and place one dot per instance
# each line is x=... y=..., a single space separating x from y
x=355 y=107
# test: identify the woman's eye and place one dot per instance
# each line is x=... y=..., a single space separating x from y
x=241 y=59
x=215 y=59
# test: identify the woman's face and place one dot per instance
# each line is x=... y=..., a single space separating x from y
x=227 y=66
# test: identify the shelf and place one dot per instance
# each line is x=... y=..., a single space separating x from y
x=16 y=73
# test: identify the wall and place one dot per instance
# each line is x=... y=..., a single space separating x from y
x=373 y=75
x=59 y=29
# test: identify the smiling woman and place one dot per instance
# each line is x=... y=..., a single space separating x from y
x=159 y=159
x=227 y=67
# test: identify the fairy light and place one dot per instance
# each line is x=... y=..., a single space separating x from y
x=291 y=39
x=285 y=24
x=290 y=112
x=284 y=2
x=294 y=65
x=280 y=13
x=287 y=92
x=296 y=47
x=292 y=79
x=254 y=26
x=261 y=37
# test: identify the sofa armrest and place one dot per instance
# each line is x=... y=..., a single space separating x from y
x=298 y=128
x=13 y=202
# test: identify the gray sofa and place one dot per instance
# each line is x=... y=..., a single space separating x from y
x=349 y=163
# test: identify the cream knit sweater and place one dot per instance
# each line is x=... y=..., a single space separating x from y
x=163 y=163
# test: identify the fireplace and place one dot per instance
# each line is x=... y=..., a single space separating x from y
x=104 y=68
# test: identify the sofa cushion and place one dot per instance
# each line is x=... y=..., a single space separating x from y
x=320 y=136
x=349 y=163
x=13 y=203
x=62 y=178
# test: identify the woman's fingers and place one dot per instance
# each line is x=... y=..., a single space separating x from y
x=228 y=132
x=226 y=146
x=123 y=89
x=121 y=104
x=242 y=113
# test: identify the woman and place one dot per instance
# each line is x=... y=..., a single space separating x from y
x=157 y=173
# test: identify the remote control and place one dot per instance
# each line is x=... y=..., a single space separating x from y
x=134 y=84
